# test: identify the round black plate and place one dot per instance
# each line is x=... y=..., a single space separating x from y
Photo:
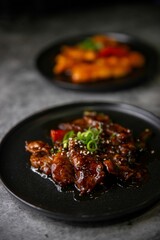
x=45 y=63
x=41 y=193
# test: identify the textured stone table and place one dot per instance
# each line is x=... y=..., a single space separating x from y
x=23 y=91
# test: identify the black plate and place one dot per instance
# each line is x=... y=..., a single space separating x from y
x=41 y=193
x=45 y=63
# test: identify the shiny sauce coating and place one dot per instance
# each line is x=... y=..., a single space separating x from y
x=90 y=154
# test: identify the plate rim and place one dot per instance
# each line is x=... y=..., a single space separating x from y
x=71 y=218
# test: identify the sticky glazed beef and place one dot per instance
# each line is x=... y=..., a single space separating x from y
x=88 y=170
x=87 y=151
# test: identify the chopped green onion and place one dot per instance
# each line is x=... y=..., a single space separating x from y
x=52 y=150
x=113 y=135
x=89 y=44
x=66 y=137
x=65 y=143
x=92 y=146
x=90 y=138
x=85 y=137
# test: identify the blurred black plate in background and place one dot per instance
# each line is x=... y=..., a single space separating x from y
x=45 y=63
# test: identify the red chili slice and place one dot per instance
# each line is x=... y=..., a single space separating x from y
x=57 y=135
x=113 y=51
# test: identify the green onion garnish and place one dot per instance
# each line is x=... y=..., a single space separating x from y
x=66 y=137
x=89 y=138
x=92 y=146
x=89 y=44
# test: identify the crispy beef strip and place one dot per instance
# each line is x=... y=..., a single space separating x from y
x=88 y=171
x=37 y=146
x=120 y=157
x=93 y=119
x=76 y=125
x=62 y=170
x=40 y=156
x=58 y=166
x=90 y=119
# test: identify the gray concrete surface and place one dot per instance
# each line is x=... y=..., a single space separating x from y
x=23 y=91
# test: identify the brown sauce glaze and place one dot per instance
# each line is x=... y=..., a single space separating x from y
x=91 y=154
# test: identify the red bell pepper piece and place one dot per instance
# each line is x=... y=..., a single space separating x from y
x=57 y=135
x=113 y=51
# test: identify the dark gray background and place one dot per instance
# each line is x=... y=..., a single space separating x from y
x=23 y=91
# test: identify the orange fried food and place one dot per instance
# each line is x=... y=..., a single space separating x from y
x=97 y=58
